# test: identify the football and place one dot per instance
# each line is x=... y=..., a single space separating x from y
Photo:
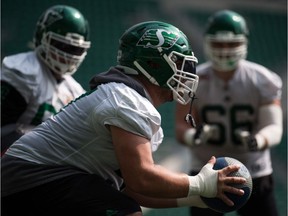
x=217 y=204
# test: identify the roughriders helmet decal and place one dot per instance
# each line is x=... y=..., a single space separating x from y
x=154 y=38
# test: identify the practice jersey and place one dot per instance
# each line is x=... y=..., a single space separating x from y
x=33 y=80
x=78 y=135
x=234 y=105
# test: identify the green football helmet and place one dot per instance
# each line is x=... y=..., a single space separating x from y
x=61 y=38
x=162 y=53
x=226 y=40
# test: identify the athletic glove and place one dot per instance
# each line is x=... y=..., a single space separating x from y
x=196 y=137
x=250 y=142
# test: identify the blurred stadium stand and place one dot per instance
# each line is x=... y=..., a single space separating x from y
x=267 y=21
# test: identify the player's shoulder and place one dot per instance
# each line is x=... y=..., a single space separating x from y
x=124 y=97
x=259 y=71
x=133 y=112
x=260 y=75
x=253 y=67
x=25 y=63
x=127 y=93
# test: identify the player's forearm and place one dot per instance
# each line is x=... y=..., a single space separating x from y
x=151 y=202
x=159 y=182
x=270 y=126
x=156 y=181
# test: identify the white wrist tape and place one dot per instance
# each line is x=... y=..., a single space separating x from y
x=205 y=183
x=195 y=201
x=194 y=185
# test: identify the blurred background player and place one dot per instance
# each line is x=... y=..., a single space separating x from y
x=36 y=84
x=237 y=112
x=94 y=157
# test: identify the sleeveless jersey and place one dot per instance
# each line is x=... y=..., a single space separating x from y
x=232 y=106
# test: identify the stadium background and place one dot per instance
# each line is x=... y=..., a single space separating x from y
x=267 y=21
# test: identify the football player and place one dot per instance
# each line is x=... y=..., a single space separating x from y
x=238 y=110
x=36 y=84
x=95 y=156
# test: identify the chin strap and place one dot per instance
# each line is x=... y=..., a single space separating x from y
x=189 y=118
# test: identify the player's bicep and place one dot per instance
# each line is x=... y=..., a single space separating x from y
x=133 y=153
x=13 y=104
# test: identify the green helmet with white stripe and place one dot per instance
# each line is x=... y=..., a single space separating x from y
x=226 y=39
x=61 y=38
x=162 y=53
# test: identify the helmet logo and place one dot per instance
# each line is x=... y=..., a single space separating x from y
x=49 y=18
x=154 y=38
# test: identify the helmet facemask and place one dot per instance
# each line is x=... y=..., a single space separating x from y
x=225 y=58
x=184 y=81
x=63 y=54
x=226 y=40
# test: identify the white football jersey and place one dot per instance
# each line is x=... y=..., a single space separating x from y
x=78 y=135
x=232 y=106
x=36 y=84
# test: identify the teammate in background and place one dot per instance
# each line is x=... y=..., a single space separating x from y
x=237 y=111
x=36 y=84
x=94 y=157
